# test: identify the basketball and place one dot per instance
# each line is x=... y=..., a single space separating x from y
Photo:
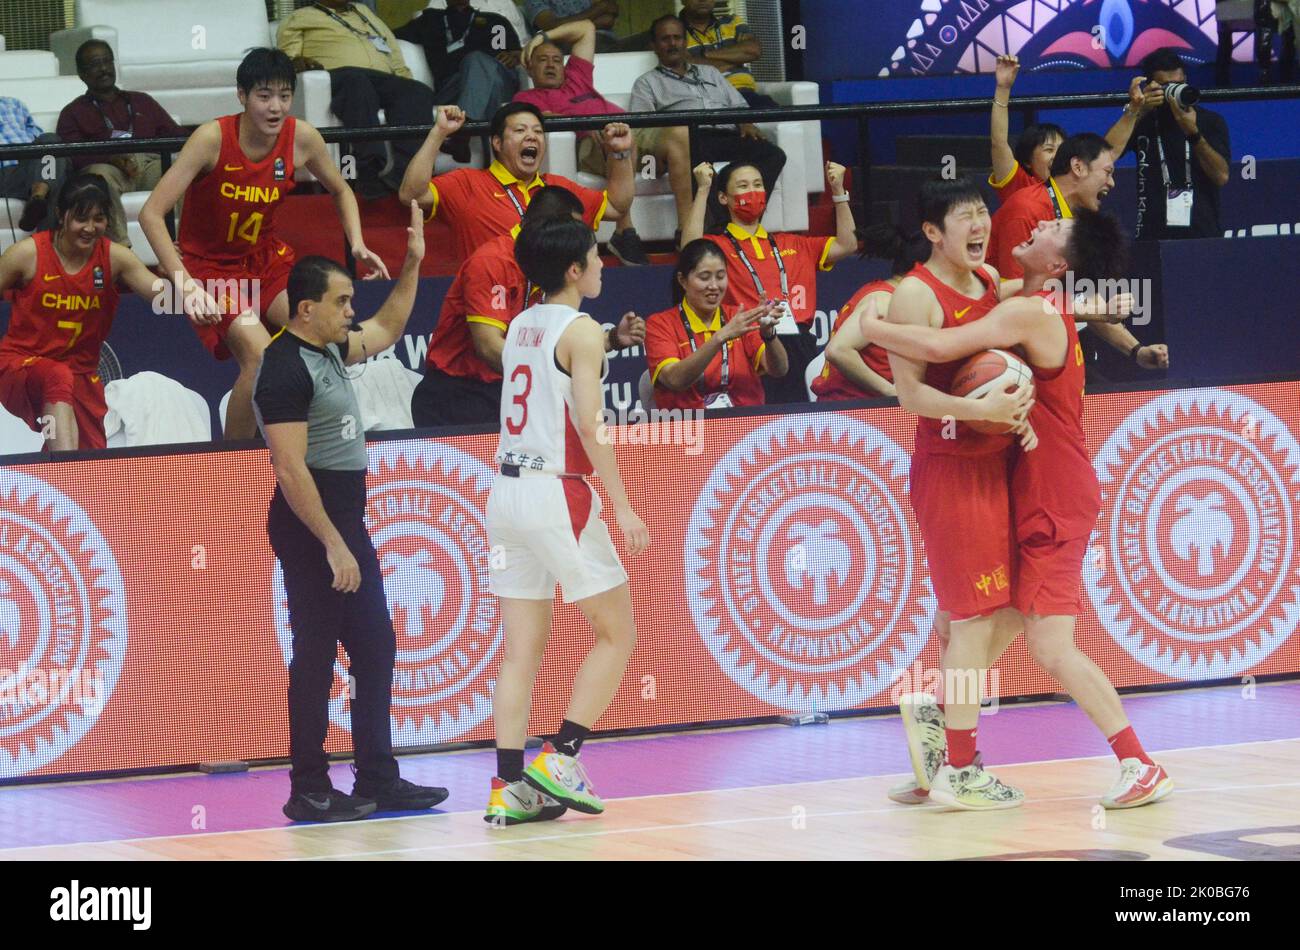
x=982 y=374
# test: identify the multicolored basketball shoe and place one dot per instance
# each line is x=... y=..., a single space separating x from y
x=1139 y=784
x=513 y=803
x=909 y=793
x=564 y=779
x=973 y=789
x=927 y=743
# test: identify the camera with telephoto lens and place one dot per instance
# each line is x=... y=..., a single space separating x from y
x=1184 y=94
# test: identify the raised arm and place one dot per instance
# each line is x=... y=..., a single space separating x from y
x=389 y=323
x=583 y=346
x=316 y=159
x=694 y=226
x=579 y=34
x=419 y=171
x=846 y=238
x=1004 y=159
x=616 y=140
x=1141 y=100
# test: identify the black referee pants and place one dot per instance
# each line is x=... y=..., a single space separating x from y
x=321 y=618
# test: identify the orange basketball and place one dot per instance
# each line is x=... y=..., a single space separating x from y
x=982 y=374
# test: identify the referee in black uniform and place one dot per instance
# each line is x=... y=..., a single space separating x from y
x=309 y=416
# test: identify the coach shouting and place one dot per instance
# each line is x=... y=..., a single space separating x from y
x=308 y=413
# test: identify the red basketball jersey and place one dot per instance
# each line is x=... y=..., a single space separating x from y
x=958 y=310
x=62 y=316
x=832 y=384
x=1054 y=487
x=229 y=213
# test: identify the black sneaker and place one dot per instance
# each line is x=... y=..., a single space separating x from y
x=626 y=246
x=401 y=795
x=34 y=212
x=326 y=806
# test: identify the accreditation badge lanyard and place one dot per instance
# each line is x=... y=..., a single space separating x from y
x=1178 y=201
x=376 y=39
x=1056 y=203
x=454 y=43
x=113 y=131
x=787 y=325
x=725 y=379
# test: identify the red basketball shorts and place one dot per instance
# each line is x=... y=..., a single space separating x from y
x=962 y=507
x=1048 y=576
x=250 y=283
x=29 y=384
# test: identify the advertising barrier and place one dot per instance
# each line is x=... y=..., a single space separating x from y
x=143 y=621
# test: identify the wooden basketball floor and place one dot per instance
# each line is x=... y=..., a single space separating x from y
x=768 y=792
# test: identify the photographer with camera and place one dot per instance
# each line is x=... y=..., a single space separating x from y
x=1182 y=152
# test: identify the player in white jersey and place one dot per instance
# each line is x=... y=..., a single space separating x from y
x=544 y=525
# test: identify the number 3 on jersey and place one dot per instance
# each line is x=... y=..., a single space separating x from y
x=520 y=399
x=249 y=230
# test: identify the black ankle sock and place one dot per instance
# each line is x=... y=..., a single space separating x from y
x=570 y=738
x=510 y=765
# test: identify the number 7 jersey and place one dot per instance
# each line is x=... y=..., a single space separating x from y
x=537 y=408
x=229 y=214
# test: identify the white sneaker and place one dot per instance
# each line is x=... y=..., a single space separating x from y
x=1138 y=784
x=927 y=743
x=973 y=789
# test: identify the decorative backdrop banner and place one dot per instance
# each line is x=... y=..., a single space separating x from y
x=143 y=623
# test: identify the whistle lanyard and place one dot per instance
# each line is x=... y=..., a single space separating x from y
x=1164 y=165
x=726 y=346
x=108 y=123
x=780 y=266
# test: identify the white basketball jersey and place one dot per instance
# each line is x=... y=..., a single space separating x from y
x=537 y=410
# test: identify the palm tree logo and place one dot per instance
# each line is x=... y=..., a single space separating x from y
x=413 y=586
x=10 y=619
x=1204 y=526
x=817 y=554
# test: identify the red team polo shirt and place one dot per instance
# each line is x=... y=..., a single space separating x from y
x=832 y=384
x=477 y=205
x=489 y=288
x=803 y=257
x=1016 y=220
x=1017 y=180
x=666 y=342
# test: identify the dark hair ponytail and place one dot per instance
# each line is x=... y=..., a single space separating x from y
x=83 y=195
x=891 y=243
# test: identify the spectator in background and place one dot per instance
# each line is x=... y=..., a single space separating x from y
x=367 y=73
x=482 y=203
x=780 y=267
x=462 y=375
x=472 y=56
x=677 y=84
x=23 y=180
x=505 y=8
x=1083 y=173
x=703 y=353
x=106 y=112
x=1278 y=16
x=544 y=15
x=856 y=369
x=1182 y=155
x=568 y=90
x=727 y=43
x=1030 y=162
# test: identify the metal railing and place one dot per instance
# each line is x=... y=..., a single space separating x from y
x=860 y=112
